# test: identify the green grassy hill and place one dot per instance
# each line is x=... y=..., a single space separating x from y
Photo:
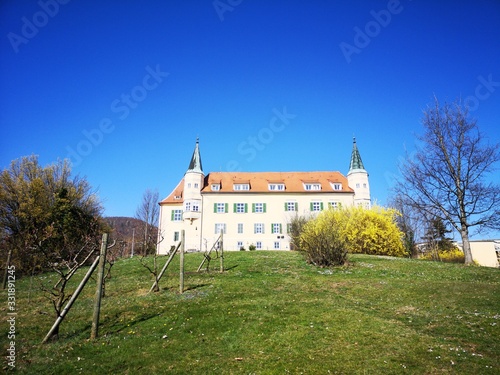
x=271 y=313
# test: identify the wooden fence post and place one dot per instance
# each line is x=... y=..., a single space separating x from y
x=157 y=280
x=72 y=300
x=221 y=251
x=98 y=294
x=181 y=275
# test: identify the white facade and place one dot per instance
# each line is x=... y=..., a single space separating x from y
x=252 y=208
x=260 y=219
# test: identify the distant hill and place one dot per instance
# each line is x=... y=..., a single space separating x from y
x=128 y=232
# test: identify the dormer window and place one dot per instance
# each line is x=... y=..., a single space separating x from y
x=336 y=185
x=215 y=187
x=276 y=187
x=238 y=187
x=312 y=186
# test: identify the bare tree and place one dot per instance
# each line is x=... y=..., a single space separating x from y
x=409 y=222
x=447 y=177
x=148 y=212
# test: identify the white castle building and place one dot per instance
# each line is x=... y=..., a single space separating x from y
x=253 y=208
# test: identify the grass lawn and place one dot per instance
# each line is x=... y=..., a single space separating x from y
x=270 y=313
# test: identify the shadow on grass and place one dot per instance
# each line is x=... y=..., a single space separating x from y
x=117 y=327
x=186 y=289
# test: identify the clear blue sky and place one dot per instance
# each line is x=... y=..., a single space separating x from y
x=125 y=87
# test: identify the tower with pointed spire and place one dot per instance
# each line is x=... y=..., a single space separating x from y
x=192 y=205
x=193 y=183
x=182 y=209
x=357 y=178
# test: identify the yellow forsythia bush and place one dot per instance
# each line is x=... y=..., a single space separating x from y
x=452 y=256
x=371 y=231
x=352 y=229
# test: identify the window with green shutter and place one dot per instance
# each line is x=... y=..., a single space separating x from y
x=220 y=208
x=316 y=206
x=259 y=207
x=240 y=208
x=276 y=228
x=176 y=215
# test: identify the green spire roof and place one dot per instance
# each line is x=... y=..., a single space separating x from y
x=195 y=164
x=356 y=162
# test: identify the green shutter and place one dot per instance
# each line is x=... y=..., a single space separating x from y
x=311 y=206
x=296 y=206
x=264 y=207
x=234 y=207
x=281 y=229
x=246 y=207
x=321 y=206
x=253 y=207
x=215 y=208
x=286 y=206
x=263 y=229
x=225 y=207
x=172 y=217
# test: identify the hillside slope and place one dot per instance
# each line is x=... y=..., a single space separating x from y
x=270 y=312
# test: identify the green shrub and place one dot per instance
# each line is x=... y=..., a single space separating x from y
x=296 y=226
x=322 y=242
x=252 y=247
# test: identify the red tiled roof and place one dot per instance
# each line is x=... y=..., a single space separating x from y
x=259 y=181
x=177 y=195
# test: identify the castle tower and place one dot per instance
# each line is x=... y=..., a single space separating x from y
x=192 y=205
x=358 y=179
